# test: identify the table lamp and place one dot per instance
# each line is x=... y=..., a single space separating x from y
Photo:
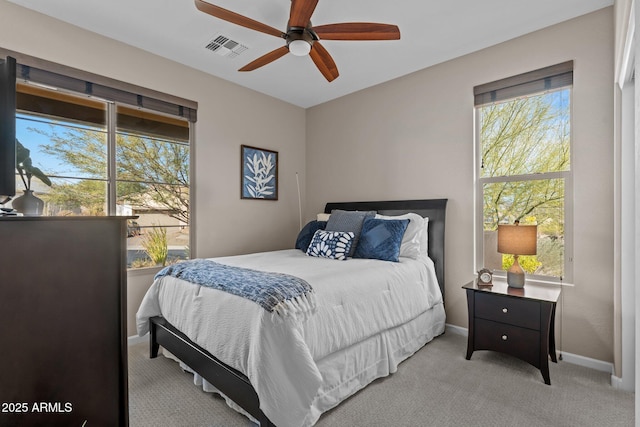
x=517 y=240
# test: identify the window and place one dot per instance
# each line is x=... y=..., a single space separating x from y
x=102 y=156
x=523 y=154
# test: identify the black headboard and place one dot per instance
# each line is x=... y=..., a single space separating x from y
x=434 y=209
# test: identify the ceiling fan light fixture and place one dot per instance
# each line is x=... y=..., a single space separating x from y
x=299 y=47
x=302 y=37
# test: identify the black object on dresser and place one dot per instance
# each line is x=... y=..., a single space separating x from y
x=63 y=360
x=516 y=321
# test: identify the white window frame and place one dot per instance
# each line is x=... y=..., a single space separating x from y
x=568 y=199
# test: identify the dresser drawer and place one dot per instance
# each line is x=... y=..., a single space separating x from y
x=519 y=342
x=504 y=309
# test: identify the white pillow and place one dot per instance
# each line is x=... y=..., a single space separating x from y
x=424 y=238
x=323 y=217
x=415 y=240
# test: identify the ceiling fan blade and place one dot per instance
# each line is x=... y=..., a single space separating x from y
x=266 y=59
x=324 y=62
x=237 y=19
x=357 y=31
x=301 y=11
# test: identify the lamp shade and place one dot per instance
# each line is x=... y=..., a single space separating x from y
x=518 y=239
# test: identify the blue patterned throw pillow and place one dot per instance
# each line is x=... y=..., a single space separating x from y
x=306 y=234
x=348 y=221
x=381 y=239
x=331 y=244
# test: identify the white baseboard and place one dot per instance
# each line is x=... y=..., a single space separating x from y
x=135 y=339
x=616 y=382
x=458 y=330
x=587 y=362
x=574 y=359
x=622 y=383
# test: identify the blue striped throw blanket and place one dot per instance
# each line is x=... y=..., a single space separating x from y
x=280 y=294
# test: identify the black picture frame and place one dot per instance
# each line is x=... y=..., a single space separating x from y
x=258 y=173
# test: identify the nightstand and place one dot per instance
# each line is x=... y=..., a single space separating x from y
x=519 y=322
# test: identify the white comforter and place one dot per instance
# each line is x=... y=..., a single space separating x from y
x=356 y=299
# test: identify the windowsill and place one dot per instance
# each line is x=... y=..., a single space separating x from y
x=542 y=282
x=143 y=271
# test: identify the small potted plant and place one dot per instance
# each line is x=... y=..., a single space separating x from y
x=28 y=204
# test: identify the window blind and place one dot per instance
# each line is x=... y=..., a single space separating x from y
x=548 y=78
x=67 y=78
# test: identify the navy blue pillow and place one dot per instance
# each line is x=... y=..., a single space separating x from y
x=306 y=234
x=381 y=239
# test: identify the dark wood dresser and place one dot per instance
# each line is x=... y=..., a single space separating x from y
x=519 y=322
x=63 y=357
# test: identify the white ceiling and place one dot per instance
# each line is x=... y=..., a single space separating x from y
x=431 y=32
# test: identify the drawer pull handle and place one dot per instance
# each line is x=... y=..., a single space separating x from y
x=504 y=310
x=504 y=338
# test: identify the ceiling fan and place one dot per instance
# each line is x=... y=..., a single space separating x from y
x=301 y=37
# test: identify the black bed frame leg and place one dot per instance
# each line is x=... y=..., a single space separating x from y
x=153 y=342
x=264 y=422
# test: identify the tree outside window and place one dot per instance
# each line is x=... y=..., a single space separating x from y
x=525 y=163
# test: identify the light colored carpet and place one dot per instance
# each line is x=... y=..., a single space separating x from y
x=435 y=387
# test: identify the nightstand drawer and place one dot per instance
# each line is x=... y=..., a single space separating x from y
x=513 y=311
x=518 y=342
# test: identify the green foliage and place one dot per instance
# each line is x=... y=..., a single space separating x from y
x=86 y=195
x=152 y=173
x=522 y=137
x=529 y=263
x=155 y=245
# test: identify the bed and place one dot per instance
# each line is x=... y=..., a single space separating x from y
x=304 y=370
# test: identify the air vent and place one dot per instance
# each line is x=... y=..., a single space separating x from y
x=224 y=46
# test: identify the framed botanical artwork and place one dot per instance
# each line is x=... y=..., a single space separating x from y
x=259 y=169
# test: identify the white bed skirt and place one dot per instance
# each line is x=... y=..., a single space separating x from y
x=351 y=369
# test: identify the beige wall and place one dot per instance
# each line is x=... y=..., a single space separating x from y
x=413 y=138
x=229 y=116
